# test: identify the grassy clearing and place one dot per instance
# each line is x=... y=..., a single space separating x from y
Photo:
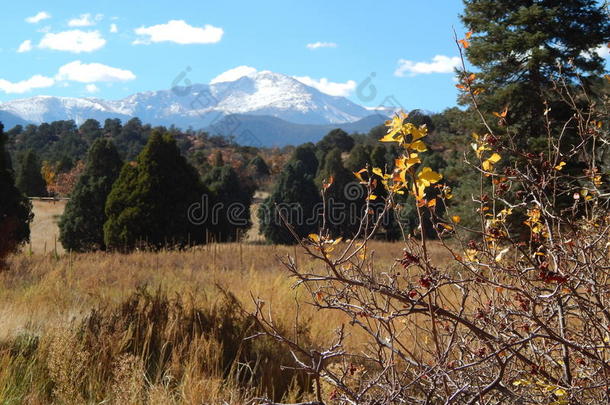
x=153 y=327
x=158 y=328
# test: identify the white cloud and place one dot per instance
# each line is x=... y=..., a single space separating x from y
x=92 y=88
x=34 y=82
x=328 y=87
x=25 y=46
x=92 y=72
x=113 y=28
x=234 y=74
x=603 y=51
x=73 y=41
x=180 y=32
x=42 y=15
x=85 y=20
x=318 y=44
x=439 y=64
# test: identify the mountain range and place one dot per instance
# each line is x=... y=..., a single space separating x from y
x=263 y=108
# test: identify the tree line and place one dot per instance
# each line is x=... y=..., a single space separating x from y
x=514 y=77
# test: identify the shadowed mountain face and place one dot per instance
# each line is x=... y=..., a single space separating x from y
x=253 y=130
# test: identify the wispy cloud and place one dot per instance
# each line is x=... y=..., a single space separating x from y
x=317 y=45
x=439 y=64
x=113 y=28
x=85 y=20
x=93 y=72
x=179 y=32
x=89 y=73
x=75 y=41
x=34 y=82
x=42 y=15
x=92 y=88
x=326 y=86
x=25 y=46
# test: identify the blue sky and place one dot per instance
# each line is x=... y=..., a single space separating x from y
x=111 y=49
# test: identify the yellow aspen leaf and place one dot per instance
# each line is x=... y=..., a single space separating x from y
x=456 y=219
x=488 y=164
x=378 y=171
x=358 y=175
x=372 y=197
x=394 y=127
x=392 y=138
x=418 y=146
x=432 y=203
x=560 y=165
x=314 y=237
x=427 y=176
x=502 y=114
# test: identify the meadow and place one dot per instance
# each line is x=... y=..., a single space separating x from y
x=153 y=327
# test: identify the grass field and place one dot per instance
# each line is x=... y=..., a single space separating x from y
x=44 y=230
x=125 y=316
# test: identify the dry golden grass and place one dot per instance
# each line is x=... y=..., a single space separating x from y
x=47 y=298
x=44 y=230
x=41 y=290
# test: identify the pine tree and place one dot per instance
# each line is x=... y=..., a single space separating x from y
x=359 y=157
x=29 y=177
x=231 y=198
x=337 y=138
x=259 y=167
x=297 y=199
x=157 y=201
x=15 y=210
x=306 y=154
x=344 y=198
x=82 y=224
x=521 y=45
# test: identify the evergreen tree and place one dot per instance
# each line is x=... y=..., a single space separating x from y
x=359 y=157
x=296 y=197
x=29 y=177
x=82 y=224
x=521 y=45
x=15 y=210
x=157 y=201
x=259 y=167
x=379 y=158
x=306 y=154
x=344 y=198
x=231 y=198
x=337 y=138
x=90 y=130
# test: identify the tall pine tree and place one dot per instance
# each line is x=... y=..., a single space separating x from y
x=29 y=176
x=15 y=210
x=297 y=199
x=520 y=46
x=156 y=201
x=231 y=198
x=82 y=224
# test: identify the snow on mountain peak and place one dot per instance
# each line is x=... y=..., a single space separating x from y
x=242 y=90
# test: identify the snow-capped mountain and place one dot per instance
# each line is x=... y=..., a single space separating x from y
x=199 y=105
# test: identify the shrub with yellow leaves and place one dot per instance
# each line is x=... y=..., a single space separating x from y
x=517 y=317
